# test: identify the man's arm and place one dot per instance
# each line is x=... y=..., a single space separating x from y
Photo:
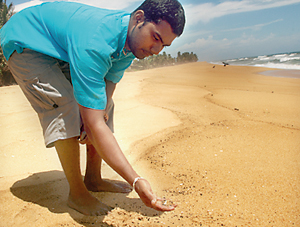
x=110 y=88
x=106 y=145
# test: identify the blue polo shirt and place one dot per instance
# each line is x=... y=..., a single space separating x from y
x=89 y=38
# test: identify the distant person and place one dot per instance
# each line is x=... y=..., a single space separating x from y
x=67 y=58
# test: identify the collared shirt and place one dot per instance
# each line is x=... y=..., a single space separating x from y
x=91 y=39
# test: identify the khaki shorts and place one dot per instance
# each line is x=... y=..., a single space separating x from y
x=46 y=83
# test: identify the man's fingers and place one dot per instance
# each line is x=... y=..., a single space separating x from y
x=160 y=205
x=150 y=199
x=83 y=139
x=105 y=117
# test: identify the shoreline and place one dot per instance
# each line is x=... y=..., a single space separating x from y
x=275 y=72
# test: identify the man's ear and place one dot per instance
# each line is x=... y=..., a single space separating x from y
x=139 y=16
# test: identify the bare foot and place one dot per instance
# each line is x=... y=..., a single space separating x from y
x=88 y=205
x=107 y=186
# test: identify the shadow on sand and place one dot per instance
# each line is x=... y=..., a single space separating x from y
x=50 y=190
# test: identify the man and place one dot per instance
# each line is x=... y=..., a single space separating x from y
x=42 y=43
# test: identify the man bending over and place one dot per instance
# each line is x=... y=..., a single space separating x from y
x=67 y=58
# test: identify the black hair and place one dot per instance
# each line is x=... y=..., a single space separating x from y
x=168 y=10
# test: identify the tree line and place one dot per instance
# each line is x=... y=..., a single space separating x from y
x=5 y=13
x=163 y=59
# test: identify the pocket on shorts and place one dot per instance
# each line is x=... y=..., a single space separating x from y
x=49 y=89
x=39 y=95
x=41 y=80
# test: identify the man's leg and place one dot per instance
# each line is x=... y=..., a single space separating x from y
x=51 y=96
x=79 y=197
x=93 y=178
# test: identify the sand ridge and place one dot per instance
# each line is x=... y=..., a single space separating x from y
x=222 y=143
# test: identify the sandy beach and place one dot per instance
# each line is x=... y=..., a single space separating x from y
x=223 y=143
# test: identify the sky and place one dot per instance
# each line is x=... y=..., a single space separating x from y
x=226 y=29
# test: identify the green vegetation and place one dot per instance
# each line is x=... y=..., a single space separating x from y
x=5 y=13
x=163 y=59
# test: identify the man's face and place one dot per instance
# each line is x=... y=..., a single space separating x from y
x=148 y=38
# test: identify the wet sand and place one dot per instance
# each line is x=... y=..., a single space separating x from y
x=222 y=143
x=287 y=73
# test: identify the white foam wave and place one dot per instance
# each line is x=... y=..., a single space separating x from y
x=279 y=61
x=262 y=58
x=278 y=66
x=285 y=59
x=276 y=56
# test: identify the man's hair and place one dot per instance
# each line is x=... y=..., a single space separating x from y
x=168 y=10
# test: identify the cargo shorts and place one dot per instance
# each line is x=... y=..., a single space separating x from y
x=46 y=83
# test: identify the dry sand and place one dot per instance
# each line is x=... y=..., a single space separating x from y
x=223 y=143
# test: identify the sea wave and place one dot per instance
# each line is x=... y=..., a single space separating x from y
x=279 y=61
x=285 y=59
x=278 y=66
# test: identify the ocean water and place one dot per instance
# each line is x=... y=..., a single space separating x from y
x=277 y=61
x=288 y=61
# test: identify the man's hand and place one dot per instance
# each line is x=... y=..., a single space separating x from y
x=143 y=188
x=106 y=117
